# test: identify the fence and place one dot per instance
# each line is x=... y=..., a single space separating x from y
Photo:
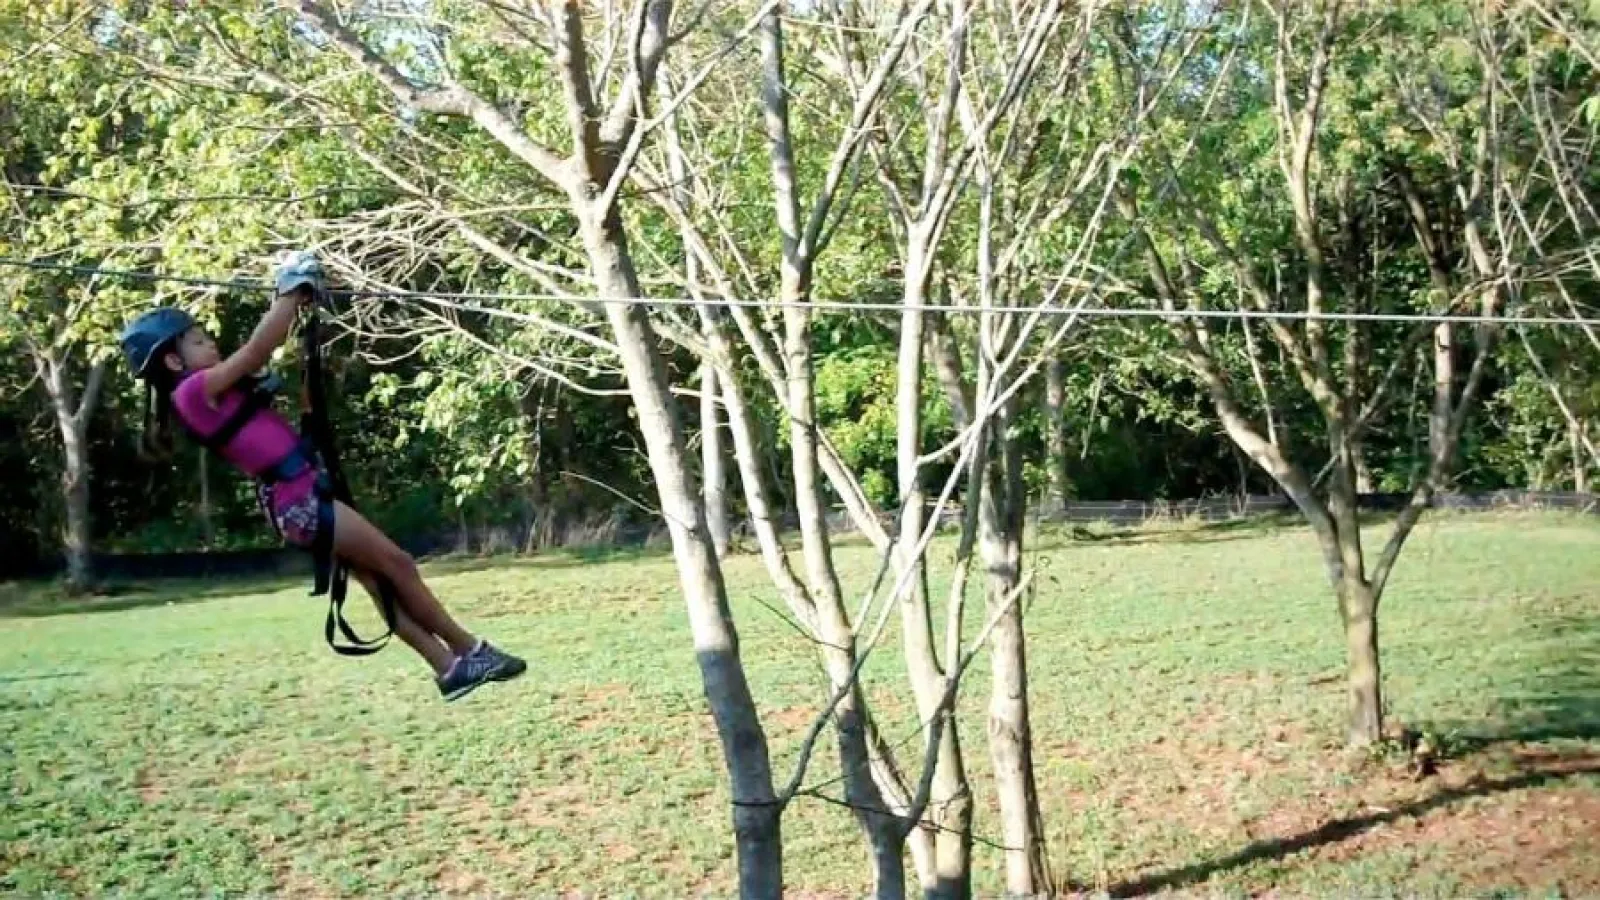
x=1216 y=509
x=268 y=562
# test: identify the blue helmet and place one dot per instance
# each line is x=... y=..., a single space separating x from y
x=147 y=335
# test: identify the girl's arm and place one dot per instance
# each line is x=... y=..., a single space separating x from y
x=256 y=352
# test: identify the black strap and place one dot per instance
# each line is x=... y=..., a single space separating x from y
x=331 y=575
x=334 y=579
x=254 y=402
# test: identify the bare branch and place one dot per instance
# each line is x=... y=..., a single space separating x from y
x=649 y=42
x=865 y=106
x=451 y=100
x=583 y=117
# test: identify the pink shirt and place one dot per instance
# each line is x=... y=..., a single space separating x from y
x=263 y=442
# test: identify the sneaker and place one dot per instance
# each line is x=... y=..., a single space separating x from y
x=484 y=663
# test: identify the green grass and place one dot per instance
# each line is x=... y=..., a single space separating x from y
x=200 y=739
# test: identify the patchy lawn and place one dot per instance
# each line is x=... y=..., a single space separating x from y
x=1186 y=683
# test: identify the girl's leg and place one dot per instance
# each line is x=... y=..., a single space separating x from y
x=361 y=544
x=427 y=645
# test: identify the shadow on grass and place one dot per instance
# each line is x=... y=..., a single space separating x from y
x=48 y=676
x=569 y=558
x=1344 y=829
x=1554 y=697
x=1558 y=718
x=1055 y=535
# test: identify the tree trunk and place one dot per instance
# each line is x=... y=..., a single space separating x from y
x=1359 y=609
x=862 y=752
x=536 y=490
x=997 y=503
x=1055 y=436
x=950 y=801
x=1334 y=523
x=1357 y=597
x=712 y=461
x=826 y=615
x=756 y=814
x=72 y=418
x=75 y=536
x=882 y=829
x=752 y=458
x=1000 y=536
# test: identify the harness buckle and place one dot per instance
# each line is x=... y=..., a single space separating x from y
x=302 y=458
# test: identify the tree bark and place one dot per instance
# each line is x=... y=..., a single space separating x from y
x=998 y=507
x=713 y=466
x=1359 y=608
x=862 y=752
x=1000 y=536
x=1055 y=435
x=208 y=532
x=1335 y=522
x=589 y=176
x=950 y=802
x=756 y=810
x=1358 y=600
x=1358 y=454
x=1580 y=467
x=75 y=536
x=882 y=828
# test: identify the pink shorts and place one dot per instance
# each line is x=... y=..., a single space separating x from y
x=294 y=508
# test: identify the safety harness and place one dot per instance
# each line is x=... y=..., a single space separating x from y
x=330 y=575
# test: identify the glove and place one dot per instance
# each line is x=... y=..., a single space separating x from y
x=300 y=269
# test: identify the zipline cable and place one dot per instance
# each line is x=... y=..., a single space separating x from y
x=848 y=308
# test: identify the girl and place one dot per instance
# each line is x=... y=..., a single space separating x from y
x=217 y=401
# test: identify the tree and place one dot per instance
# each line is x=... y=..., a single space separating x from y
x=90 y=162
x=1288 y=117
x=862 y=77
x=873 y=784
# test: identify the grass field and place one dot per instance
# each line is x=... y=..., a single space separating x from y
x=1186 y=692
